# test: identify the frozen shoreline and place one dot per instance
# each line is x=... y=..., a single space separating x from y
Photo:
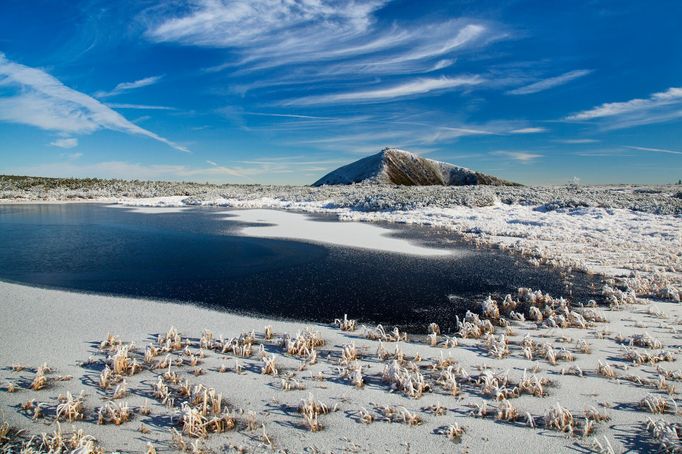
x=64 y=329
x=629 y=233
x=642 y=250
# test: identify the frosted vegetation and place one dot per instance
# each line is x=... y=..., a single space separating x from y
x=630 y=234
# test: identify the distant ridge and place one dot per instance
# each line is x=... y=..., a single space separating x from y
x=400 y=167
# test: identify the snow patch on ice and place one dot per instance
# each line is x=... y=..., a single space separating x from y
x=296 y=226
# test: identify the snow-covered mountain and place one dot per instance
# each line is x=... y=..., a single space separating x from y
x=394 y=166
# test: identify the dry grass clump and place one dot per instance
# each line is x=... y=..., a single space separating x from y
x=594 y=414
x=112 y=412
x=583 y=346
x=121 y=363
x=657 y=404
x=206 y=340
x=267 y=332
x=203 y=413
x=605 y=370
x=497 y=348
x=646 y=341
x=667 y=434
x=438 y=409
x=32 y=408
x=572 y=370
x=105 y=378
x=669 y=374
x=71 y=408
x=121 y=390
x=311 y=409
x=241 y=346
x=638 y=357
x=40 y=380
x=591 y=314
x=412 y=383
x=304 y=343
x=489 y=308
x=542 y=309
x=365 y=416
x=448 y=380
x=5 y=432
x=410 y=418
x=150 y=353
x=58 y=442
x=560 y=419
x=473 y=327
x=11 y=387
x=495 y=384
x=346 y=324
x=379 y=333
x=434 y=329
x=600 y=448
x=454 y=432
x=663 y=385
x=269 y=366
x=532 y=384
x=353 y=372
x=506 y=411
x=171 y=341
x=111 y=343
x=617 y=298
x=291 y=384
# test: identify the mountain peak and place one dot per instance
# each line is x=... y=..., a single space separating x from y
x=400 y=167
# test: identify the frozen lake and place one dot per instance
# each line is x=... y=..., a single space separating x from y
x=266 y=262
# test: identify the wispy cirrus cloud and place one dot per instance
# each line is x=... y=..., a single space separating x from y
x=301 y=26
x=550 y=82
x=576 y=141
x=385 y=94
x=521 y=156
x=654 y=150
x=65 y=142
x=127 y=86
x=343 y=34
x=115 y=105
x=529 y=130
x=33 y=97
x=659 y=107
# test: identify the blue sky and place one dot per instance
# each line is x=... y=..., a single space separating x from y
x=266 y=91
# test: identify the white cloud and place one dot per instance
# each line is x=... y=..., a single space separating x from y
x=657 y=108
x=551 y=82
x=212 y=163
x=577 y=141
x=114 y=105
x=655 y=150
x=234 y=23
x=518 y=155
x=267 y=34
x=410 y=88
x=527 y=130
x=65 y=142
x=127 y=86
x=43 y=101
